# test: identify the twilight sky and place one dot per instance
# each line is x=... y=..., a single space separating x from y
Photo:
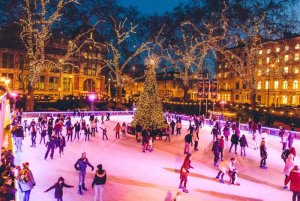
x=152 y=6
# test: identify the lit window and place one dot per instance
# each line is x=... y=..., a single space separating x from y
x=296 y=57
x=286 y=57
x=85 y=55
x=259 y=61
x=259 y=85
x=287 y=48
x=259 y=73
x=267 y=84
x=278 y=59
x=284 y=99
x=268 y=51
x=267 y=71
x=285 y=84
x=276 y=84
x=220 y=75
x=268 y=60
x=296 y=70
x=294 y=100
x=260 y=52
x=220 y=66
x=295 y=84
x=297 y=46
x=285 y=69
x=225 y=65
x=277 y=49
x=225 y=75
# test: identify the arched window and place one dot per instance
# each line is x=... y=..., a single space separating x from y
x=284 y=99
x=259 y=85
x=295 y=84
x=89 y=85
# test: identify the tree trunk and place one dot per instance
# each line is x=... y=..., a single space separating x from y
x=29 y=105
x=185 y=93
x=119 y=94
x=253 y=98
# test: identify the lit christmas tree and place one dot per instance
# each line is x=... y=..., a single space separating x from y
x=149 y=113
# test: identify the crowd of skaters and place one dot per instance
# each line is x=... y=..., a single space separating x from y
x=53 y=128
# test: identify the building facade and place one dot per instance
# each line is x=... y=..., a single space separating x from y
x=82 y=77
x=276 y=75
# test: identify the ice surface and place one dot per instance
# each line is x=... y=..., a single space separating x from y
x=133 y=175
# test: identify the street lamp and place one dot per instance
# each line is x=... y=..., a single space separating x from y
x=108 y=91
x=92 y=98
x=14 y=96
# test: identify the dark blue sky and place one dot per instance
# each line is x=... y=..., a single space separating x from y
x=152 y=6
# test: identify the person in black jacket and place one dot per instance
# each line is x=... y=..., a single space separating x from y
x=235 y=142
x=188 y=143
x=77 y=129
x=263 y=154
x=172 y=124
x=7 y=192
x=243 y=144
x=98 y=182
x=50 y=147
x=58 y=186
x=80 y=166
x=216 y=149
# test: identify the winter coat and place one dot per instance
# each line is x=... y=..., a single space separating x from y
x=100 y=178
x=226 y=132
x=294 y=178
x=291 y=137
x=28 y=182
x=77 y=127
x=81 y=164
x=234 y=139
x=263 y=151
x=216 y=148
x=58 y=193
x=7 y=193
x=188 y=138
x=243 y=142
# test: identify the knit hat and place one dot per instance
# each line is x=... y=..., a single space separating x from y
x=99 y=167
x=26 y=164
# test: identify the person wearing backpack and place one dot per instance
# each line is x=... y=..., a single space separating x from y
x=26 y=181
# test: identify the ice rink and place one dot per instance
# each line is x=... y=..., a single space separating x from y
x=136 y=176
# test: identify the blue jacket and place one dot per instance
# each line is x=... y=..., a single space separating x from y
x=81 y=165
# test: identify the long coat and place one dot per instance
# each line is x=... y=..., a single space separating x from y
x=58 y=193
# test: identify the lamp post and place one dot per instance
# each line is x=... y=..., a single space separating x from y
x=14 y=96
x=108 y=91
x=92 y=98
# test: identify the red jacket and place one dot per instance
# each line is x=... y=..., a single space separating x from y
x=294 y=177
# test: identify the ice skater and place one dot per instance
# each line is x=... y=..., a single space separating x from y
x=104 y=133
x=58 y=186
x=184 y=172
x=99 y=182
x=263 y=154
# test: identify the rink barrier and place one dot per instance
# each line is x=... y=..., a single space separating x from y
x=243 y=127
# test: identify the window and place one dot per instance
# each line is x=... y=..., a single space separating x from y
x=53 y=83
x=225 y=66
x=220 y=75
x=21 y=62
x=258 y=97
x=295 y=84
x=286 y=57
x=259 y=73
x=260 y=52
x=220 y=66
x=237 y=85
x=7 y=60
x=285 y=69
x=260 y=61
x=237 y=97
x=276 y=84
x=297 y=46
x=20 y=81
x=225 y=75
x=10 y=76
x=294 y=100
x=268 y=51
x=277 y=59
x=267 y=84
x=259 y=85
x=67 y=84
x=277 y=49
x=267 y=71
x=42 y=83
x=268 y=60
x=89 y=85
x=285 y=84
x=244 y=85
x=296 y=57
x=296 y=70
x=287 y=48
x=284 y=99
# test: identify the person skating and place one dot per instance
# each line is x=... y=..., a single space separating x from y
x=294 y=179
x=222 y=171
x=123 y=130
x=188 y=142
x=215 y=133
x=61 y=143
x=172 y=125
x=222 y=143
x=263 y=155
x=196 y=139
x=99 y=182
x=184 y=171
x=58 y=186
x=104 y=133
x=77 y=130
x=243 y=144
x=81 y=165
x=26 y=181
x=178 y=128
x=43 y=133
x=291 y=139
x=70 y=132
x=234 y=142
x=87 y=132
x=289 y=165
x=51 y=143
x=168 y=134
x=33 y=136
x=216 y=148
x=117 y=129
x=233 y=172
x=284 y=140
x=145 y=141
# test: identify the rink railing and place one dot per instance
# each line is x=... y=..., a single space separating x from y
x=243 y=127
